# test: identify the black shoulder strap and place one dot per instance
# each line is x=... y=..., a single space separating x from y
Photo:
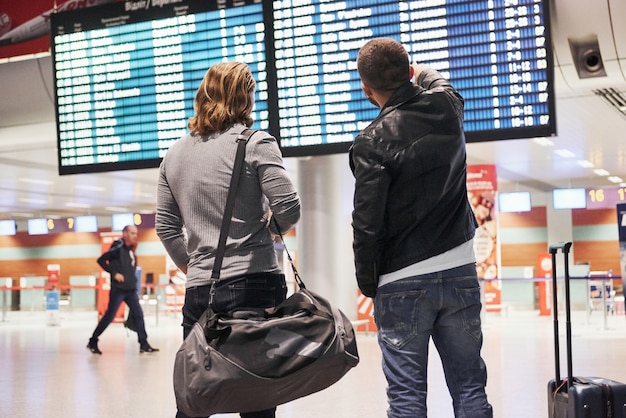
x=242 y=140
x=293 y=266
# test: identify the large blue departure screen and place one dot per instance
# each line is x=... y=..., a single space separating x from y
x=126 y=78
x=126 y=73
x=496 y=53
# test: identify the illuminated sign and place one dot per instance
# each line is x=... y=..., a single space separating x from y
x=605 y=198
x=8 y=227
x=37 y=226
x=569 y=198
x=140 y=220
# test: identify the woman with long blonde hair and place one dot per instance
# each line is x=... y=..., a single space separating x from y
x=193 y=185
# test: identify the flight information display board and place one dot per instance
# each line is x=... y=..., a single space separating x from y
x=126 y=73
x=496 y=53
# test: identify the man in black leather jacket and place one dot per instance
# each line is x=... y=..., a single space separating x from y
x=413 y=232
x=120 y=262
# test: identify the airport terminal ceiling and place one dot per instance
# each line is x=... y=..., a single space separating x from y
x=589 y=129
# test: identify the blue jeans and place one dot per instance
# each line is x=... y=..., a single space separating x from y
x=262 y=290
x=445 y=306
x=131 y=298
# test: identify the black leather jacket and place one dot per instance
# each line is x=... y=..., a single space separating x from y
x=410 y=199
x=118 y=260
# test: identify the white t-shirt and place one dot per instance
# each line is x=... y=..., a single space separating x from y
x=458 y=256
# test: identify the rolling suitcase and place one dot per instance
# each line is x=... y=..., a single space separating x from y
x=578 y=397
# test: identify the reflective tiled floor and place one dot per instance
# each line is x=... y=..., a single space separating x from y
x=46 y=371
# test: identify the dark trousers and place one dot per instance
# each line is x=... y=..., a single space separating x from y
x=131 y=298
x=255 y=291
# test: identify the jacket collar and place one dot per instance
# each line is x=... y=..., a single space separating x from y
x=403 y=94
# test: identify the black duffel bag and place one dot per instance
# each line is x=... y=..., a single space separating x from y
x=252 y=360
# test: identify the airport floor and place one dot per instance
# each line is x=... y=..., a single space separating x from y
x=46 y=371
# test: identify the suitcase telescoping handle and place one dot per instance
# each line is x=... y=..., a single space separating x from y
x=554 y=248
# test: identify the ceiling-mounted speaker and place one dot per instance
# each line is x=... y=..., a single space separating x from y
x=587 y=56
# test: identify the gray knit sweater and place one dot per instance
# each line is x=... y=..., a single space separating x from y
x=194 y=178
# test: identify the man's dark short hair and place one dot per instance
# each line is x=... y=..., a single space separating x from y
x=383 y=64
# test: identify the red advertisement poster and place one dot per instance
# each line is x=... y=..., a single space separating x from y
x=481 y=191
x=25 y=26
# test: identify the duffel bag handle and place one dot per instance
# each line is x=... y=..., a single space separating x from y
x=214 y=332
x=293 y=308
x=299 y=302
x=211 y=331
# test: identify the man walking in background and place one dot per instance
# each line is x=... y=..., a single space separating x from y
x=120 y=262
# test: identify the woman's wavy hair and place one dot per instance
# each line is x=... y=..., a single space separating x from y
x=225 y=97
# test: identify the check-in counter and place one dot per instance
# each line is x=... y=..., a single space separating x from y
x=32 y=293
x=83 y=292
x=519 y=287
x=5 y=298
x=579 y=281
